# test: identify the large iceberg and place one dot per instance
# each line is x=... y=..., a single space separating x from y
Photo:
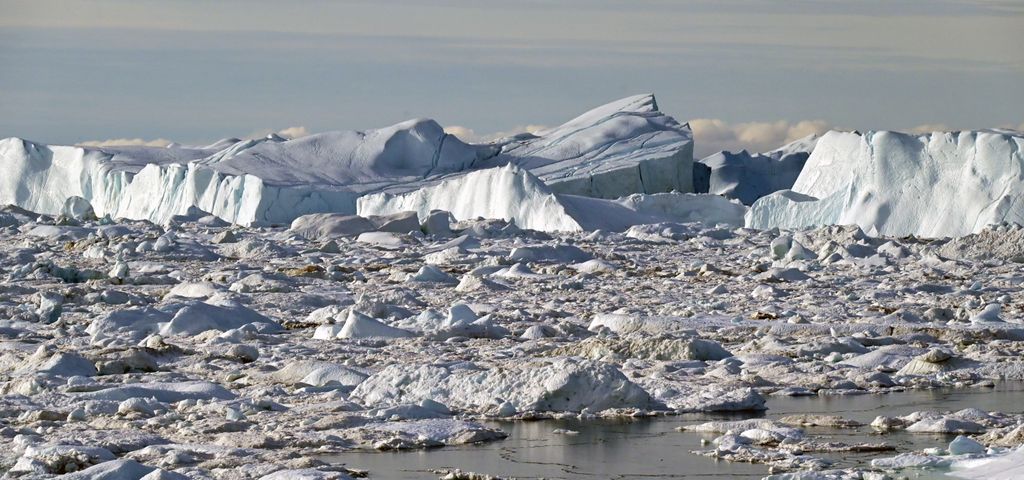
x=894 y=184
x=614 y=150
x=508 y=192
x=749 y=176
x=515 y=194
x=269 y=180
x=621 y=148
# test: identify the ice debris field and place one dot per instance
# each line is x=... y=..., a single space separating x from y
x=256 y=308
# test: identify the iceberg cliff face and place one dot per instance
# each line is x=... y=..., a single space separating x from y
x=268 y=180
x=508 y=192
x=749 y=176
x=621 y=148
x=513 y=193
x=614 y=150
x=41 y=176
x=888 y=183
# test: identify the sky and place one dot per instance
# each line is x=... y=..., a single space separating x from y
x=745 y=74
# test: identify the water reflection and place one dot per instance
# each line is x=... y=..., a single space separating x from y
x=652 y=448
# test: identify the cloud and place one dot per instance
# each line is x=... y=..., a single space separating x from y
x=289 y=132
x=469 y=135
x=293 y=132
x=713 y=135
x=929 y=128
x=465 y=134
x=126 y=142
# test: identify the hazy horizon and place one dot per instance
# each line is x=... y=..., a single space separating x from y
x=747 y=74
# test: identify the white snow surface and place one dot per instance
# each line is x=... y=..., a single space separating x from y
x=888 y=183
x=270 y=180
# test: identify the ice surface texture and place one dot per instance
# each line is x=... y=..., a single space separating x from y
x=888 y=183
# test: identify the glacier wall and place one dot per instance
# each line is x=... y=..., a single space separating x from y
x=933 y=185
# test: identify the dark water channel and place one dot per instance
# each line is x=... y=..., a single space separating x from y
x=653 y=448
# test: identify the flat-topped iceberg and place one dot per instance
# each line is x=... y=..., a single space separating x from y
x=888 y=183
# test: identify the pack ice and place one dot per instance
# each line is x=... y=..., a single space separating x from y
x=207 y=350
x=624 y=147
x=888 y=183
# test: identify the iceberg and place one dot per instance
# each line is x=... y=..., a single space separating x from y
x=515 y=194
x=749 y=176
x=614 y=150
x=942 y=184
x=621 y=148
x=269 y=180
x=507 y=192
x=558 y=385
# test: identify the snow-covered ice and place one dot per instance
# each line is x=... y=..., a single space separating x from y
x=889 y=183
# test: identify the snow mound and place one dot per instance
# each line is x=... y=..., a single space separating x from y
x=358 y=325
x=1010 y=465
x=748 y=176
x=559 y=385
x=198 y=317
x=1004 y=242
x=643 y=209
x=329 y=226
x=894 y=184
x=122 y=470
x=433 y=432
x=623 y=324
